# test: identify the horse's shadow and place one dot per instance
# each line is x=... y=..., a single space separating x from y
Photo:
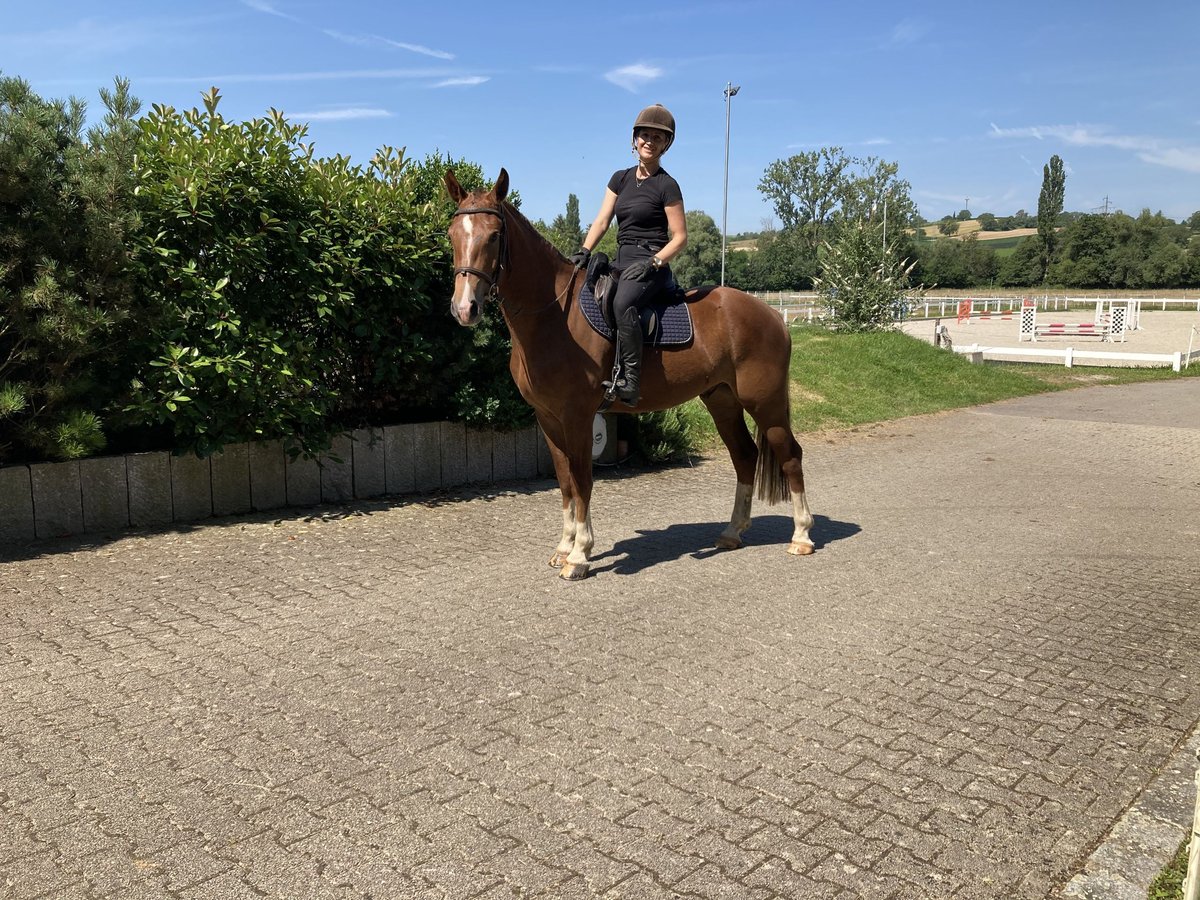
x=695 y=539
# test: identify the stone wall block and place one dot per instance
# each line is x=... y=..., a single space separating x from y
x=57 y=499
x=337 y=471
x=454 y=453
x=268 y=483
x=504 y=456
x=399 y=468
x=105 y=489
x=526 y=447
x=427 y=456
x=150 y=500
x=303 y=482
x=16 y=499
x=370 y=478
x=191 y=487
x=231 y=480
x=479 y=455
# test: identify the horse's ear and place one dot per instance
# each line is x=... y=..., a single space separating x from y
x=456 y=191
x=501 y=188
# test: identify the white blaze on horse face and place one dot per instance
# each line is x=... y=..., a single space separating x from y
x=464 y=294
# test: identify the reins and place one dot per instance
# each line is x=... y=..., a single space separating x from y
x=493 y=280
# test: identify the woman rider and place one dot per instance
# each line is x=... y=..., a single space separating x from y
x=651 y=230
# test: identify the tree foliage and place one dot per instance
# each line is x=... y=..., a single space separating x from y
x=1050 y=207
x=817 y=195
x=700 y=261
x=814 y=193
x=64 y=293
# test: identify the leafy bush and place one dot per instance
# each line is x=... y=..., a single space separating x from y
x=864 y=284
x=670 y=435
x=283 y=296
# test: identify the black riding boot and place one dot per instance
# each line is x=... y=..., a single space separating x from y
x=629 y=339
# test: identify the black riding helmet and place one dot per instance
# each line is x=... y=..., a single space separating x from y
x=659 y=117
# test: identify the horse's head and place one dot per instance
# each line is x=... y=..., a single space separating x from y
x=478 y=238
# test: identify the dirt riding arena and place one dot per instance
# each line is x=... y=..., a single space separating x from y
x=1160 y=332
x=987 y=660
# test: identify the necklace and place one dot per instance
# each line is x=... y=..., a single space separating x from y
x=638 y=177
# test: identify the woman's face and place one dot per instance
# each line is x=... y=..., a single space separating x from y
x=649 y=143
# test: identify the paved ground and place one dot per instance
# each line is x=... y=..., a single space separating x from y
x=992 y=652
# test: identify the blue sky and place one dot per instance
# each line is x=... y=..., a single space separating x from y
x=971 y=99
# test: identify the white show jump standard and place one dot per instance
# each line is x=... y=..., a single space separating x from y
x=1103 y=327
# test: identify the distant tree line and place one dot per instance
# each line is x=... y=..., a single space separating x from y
x=821 y=196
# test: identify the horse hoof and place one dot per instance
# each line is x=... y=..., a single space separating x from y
x=729 y=543
x=558 y=560
x=572 y=572
x=800 y=548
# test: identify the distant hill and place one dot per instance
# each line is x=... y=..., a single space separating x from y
x=965 y=227
x=971 y=226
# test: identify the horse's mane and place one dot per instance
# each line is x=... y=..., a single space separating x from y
x=513 y=213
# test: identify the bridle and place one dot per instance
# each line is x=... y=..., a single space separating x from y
x=493 y=280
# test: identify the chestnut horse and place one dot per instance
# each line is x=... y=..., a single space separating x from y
x=738 y=360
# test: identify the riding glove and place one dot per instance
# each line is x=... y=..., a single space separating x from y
x=580 y=258
x=641 y=270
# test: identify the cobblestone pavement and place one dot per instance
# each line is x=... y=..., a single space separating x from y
x=991 y=653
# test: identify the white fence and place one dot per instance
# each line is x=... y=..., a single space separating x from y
x=807 y=307
x=941 y=307
x=978 y=353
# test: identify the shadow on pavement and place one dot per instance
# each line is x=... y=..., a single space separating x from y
x=695 y=539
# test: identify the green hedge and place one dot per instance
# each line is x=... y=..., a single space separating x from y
x=187 y=281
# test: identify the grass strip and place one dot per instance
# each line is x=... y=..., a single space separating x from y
x=844 y=380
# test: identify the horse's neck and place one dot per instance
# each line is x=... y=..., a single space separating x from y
x=537 y=282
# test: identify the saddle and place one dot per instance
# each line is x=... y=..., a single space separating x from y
x=666 y=323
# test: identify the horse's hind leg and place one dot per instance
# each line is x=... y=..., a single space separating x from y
x=785 y=471
x=731 y=425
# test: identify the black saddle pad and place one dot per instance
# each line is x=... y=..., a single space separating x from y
x=674 y=320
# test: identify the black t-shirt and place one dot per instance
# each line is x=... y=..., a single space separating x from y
x=642 y=208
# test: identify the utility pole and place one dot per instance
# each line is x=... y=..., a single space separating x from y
x=730 y=90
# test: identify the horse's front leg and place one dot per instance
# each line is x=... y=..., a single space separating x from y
x=579 y=456
x=567 y=542
x=571 y=449
x=566 y=487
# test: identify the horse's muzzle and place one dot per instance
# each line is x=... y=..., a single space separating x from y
x=465 y=312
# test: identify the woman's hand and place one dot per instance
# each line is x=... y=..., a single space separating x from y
x=641 y=270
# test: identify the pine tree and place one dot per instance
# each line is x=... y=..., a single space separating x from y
x=65 y=210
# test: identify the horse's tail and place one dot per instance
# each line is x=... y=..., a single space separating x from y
x=770 y=478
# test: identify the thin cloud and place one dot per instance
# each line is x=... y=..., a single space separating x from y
x=634 y=77
x=465 y=81
x=341 y=115
x=267 y=77
x=876 y=142
x=1150 y=150
x=87 y=36
x=907 y=32
x=417 y=48
x=374 y=40
x=263 y=6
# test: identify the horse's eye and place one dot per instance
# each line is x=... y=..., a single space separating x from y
x=493 y=237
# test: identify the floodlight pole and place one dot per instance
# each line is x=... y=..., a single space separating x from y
x=730 y=90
